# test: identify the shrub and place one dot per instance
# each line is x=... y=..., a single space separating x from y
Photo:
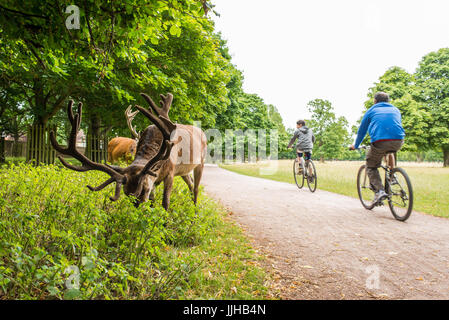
x=58 y=240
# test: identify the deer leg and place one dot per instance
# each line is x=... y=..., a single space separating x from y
x=168 y=185
x=197 y=173
x=188 y=180
x=151 y=196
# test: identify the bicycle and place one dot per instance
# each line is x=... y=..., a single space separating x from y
x=398 y=188
x=305 y=175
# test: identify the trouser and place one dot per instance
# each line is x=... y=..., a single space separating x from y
x=374 y=160
x=308 y=155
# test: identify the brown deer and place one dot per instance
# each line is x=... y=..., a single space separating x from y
x=159 y=158
x=124 y=148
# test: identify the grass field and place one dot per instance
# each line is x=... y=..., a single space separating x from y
x=430 y=181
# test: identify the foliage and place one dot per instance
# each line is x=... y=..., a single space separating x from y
x=423 y=99
x=331 y=133
x=432 y=78
x=404 y=94
x=50 y=225
x=246 y=111
x=120 y=50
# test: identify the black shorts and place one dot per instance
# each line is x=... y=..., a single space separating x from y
x=308 y=155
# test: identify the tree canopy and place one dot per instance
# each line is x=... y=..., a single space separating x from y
x=423 y=99
x=332 y=137
x=119 y=50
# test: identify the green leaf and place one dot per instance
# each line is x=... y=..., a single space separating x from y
x=53 y=290
x=71 y=294
x=175 y=30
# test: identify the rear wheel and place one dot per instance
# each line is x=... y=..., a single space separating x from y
x=311 y=179
x=299 y=178
x=399 y=188
x=364 y=189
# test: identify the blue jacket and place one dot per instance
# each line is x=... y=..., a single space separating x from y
x=383 y=122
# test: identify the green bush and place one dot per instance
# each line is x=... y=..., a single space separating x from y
x=58 y=240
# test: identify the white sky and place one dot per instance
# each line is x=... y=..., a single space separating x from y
x=293 y=51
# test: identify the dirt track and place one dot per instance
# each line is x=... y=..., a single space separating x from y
x=326 y=246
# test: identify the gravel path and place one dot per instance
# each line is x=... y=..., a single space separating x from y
x=326 y=246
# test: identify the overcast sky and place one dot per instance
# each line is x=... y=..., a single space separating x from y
x=293 y=51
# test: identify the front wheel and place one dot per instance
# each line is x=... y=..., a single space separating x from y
x=400 y=191
x=364 y=189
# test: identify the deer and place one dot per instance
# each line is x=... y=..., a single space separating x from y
x=165 y=150
x=121 y=147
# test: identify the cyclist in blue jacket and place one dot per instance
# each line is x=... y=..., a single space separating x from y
x=384 y=125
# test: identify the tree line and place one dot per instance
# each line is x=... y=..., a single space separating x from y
x=120 y=49
x=158 y=46
x=423 y=99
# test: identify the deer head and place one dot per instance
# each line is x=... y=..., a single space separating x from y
x=136 y=179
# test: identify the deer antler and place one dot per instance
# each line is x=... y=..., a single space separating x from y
x=129 y=119
x=165 y=104
x=166 y=127
x=87 y=164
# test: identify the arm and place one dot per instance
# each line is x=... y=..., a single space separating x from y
x=292 y=140
x=361 y=133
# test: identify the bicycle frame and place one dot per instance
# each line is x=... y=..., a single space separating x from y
x=390 y=163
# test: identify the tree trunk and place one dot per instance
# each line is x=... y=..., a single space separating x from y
x=94 y=148
x=36 y=135
x=16 y=150
x=419 y=157
x=2 y=148
x=446 y=157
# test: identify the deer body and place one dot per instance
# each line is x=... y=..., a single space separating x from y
x=186 y=156
x=121 y=148
x=164 y=150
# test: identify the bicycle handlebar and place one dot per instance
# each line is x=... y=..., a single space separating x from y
x=361 y=147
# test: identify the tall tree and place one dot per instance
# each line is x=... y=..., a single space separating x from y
x=120 y=49
x=433 y=80
x=404 y=94
x=331 y=133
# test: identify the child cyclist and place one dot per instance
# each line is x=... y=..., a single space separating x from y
x=305 y=143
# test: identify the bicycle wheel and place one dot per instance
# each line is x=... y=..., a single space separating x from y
x=299 y=178
x=364 y=189
x=399 y=188
x=311 y=180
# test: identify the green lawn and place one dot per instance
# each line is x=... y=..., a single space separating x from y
x=430 y=181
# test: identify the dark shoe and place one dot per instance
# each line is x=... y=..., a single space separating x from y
x=311 y=179
x=380 y=196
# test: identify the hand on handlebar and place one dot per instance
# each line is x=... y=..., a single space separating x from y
x=352 y=148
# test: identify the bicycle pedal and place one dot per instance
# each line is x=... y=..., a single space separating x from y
x=380 y=203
